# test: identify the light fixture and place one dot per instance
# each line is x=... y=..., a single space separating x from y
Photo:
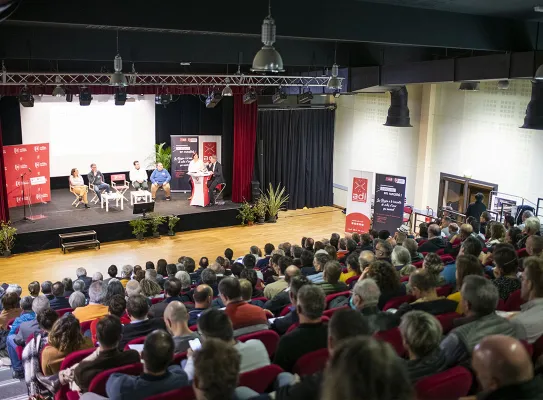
x=334 y=83
x=534 y=110
x=118 y=79
x=58 y=91
x=469 y=86
x=4 y=73
x=26 y=98
x=279 y=96
x=213 y=99
x=69 y=96
x=227 y=91
x=249 y=97
x=398 y=112
x=305 y=97
x=503 y=84
x=268 y=59
x=85 y=96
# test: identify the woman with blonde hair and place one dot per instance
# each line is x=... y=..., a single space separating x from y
x=497 y=234
x=78 y=187
x=149 y=288
x=434 y=265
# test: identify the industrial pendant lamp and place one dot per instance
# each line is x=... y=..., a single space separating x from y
x=334 y=83
x=469 y=86
x=118 y=79
x=58 y=91
x=268 y=59
x=227 y=91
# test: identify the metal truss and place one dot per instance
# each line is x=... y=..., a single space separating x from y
x=50 y=79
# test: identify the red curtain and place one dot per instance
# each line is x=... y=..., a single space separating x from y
x=245 y=116
x=4 y=210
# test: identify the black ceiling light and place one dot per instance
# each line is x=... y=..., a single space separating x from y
x=398 y=112
x=120 y=96
x=213 y=99
x=249 y=97
x=26 y=98
x=85 y=96
x=469 y=86
x=534 y=111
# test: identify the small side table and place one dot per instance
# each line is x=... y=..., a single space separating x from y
x=137 y=195
x=111 y=196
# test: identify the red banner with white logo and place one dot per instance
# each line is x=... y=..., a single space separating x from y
x=28 y=165
x=359 y=202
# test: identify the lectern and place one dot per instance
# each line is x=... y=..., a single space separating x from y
x=200 y=193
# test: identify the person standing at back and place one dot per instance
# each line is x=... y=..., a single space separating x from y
x=476 y=208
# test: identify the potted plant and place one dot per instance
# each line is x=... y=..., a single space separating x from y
x=260 y=209
x=139 y=227
x=155 y=221
x=7 y=238
x=172 y=221
x=162 y=155
x=246 y=213
x=275 y=199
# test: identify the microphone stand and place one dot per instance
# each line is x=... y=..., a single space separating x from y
x=25 y=218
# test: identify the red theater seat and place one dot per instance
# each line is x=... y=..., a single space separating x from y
x=329 y=313
x=186 y=393
x=63 y=311
x=260 y=379
x=138 y=340
x=514 y=301
x=311 y=363
x=446 y=321
x=69 y=360
x=331 y=297
x=398 y=301
x=394 y=338
x=98 y=383
x=451 y=384
x=444 y=290
x=268 y=337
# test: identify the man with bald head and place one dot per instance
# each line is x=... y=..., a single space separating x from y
x=504 y=370
x=203 y=296
x=176 y=320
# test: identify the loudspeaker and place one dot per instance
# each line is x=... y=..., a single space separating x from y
x=255 y=190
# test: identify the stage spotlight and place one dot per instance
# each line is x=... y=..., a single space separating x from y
x=85 y=96
x=305 y=97
x=213 y=99
x=227 y=91
x=249 y=97
x=120 y=97
x=163 y=99
x=279 y=96
x=469 y=86
x=26 y=98
x=58 y=91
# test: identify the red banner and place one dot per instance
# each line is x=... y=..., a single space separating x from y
x=32 y=161
x=210 y=148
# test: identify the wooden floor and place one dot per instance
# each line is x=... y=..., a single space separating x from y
x=291 y=226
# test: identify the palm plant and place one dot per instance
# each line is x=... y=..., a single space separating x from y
x=275 y=198
x=162 y=155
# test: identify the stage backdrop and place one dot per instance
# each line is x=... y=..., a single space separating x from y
x=359 y=201
x=32 y=159
x=209 y=145
x=182 y=149
x=389 y=202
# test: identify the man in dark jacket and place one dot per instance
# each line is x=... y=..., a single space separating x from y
x=58 y=302
x=281 y=324
x=140 y=325
x=172 y=291
x=476 y=208
x=434 y=242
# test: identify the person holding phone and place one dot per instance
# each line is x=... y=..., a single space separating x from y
x=176 y=320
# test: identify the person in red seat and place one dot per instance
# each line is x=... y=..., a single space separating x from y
x=140 y=325
x=95 y=308
x=434 y=242
x=387 y=279
x=281 y=324
x=423 y=287
x=532 y=226
x=505 y=269
x=107 y=356
x=241 y=313
x=421 y=335
x=117 y=307
x=331 y=283
x=310 y=335
x=529 y=322
x=434 y=265
x=534 y=245
x=412 y=246
x=364 y=299
x=366 y=368
x=465 y=265
x=504 y=370
x=176 y=320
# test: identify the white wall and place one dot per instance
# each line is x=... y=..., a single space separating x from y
x=102 y=133
x=362 y=142
x=478 y=132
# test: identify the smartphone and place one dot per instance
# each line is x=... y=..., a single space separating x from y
x=195 y=344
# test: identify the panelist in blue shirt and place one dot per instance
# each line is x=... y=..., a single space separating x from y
x=160 y=178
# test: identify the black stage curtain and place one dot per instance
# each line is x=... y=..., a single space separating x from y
x=297 y=151
x=10 y=115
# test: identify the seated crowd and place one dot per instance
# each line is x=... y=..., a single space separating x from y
x=339 y=318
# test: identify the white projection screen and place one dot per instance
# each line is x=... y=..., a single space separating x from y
x=110 y=136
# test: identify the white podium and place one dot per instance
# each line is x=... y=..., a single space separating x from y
x=200 y=193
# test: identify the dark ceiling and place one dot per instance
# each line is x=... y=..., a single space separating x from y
x=523 y=9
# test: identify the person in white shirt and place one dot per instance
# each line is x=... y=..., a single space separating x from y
x=77 y=186
x=138 y=177
x=196 y=165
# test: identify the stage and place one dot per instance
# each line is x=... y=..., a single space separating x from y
x=62 y=217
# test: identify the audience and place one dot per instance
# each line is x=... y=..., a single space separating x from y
x=434 y=265
x=513 y=236
x=504 y=370
x=479 y=298
x=140 y=325
x=365 y=368
x=388 y=280
x=311 y=333
x=331 y=283
x=81 y=274
x=112 y=272
x=133 y=288
x=58 y=301
x=107 y=356
x=434 y=242
x=186 y=290
x=65 y=337
x=79 y=286
x=383 y=250
x=95 y=308
x=353 y=267
x=203 y=296
x=281 y=324
x=319 y=261
x=421 y=336
x=534 y=245
x=116 y=307
x=209 y=277
x=365 y=299
x=401 y=260
x=466 y=265
x=34 y=289
x=532 y=226
x=150 y=289
x=114 y=288
x=126 y=274
x=241 y=313
x=172 y=291
x=279 y=264
x=412 y=246
x=176 y=320
x=423 y=287
x=529 y=322
x=46 y=289
x=505 y=270
x=307 y=266
x=159 y=376
x=470 y=246
x=250 y=275
x=11 y=309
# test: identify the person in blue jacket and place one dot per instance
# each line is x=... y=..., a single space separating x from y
x=160 y=178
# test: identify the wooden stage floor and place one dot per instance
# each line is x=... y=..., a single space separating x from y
x=291 y=226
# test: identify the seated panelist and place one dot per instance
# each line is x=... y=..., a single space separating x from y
x=77 y=186
x=196 y=165
x=216 y=168
x=96 y=178
x=138 y=177
x=160 y=178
